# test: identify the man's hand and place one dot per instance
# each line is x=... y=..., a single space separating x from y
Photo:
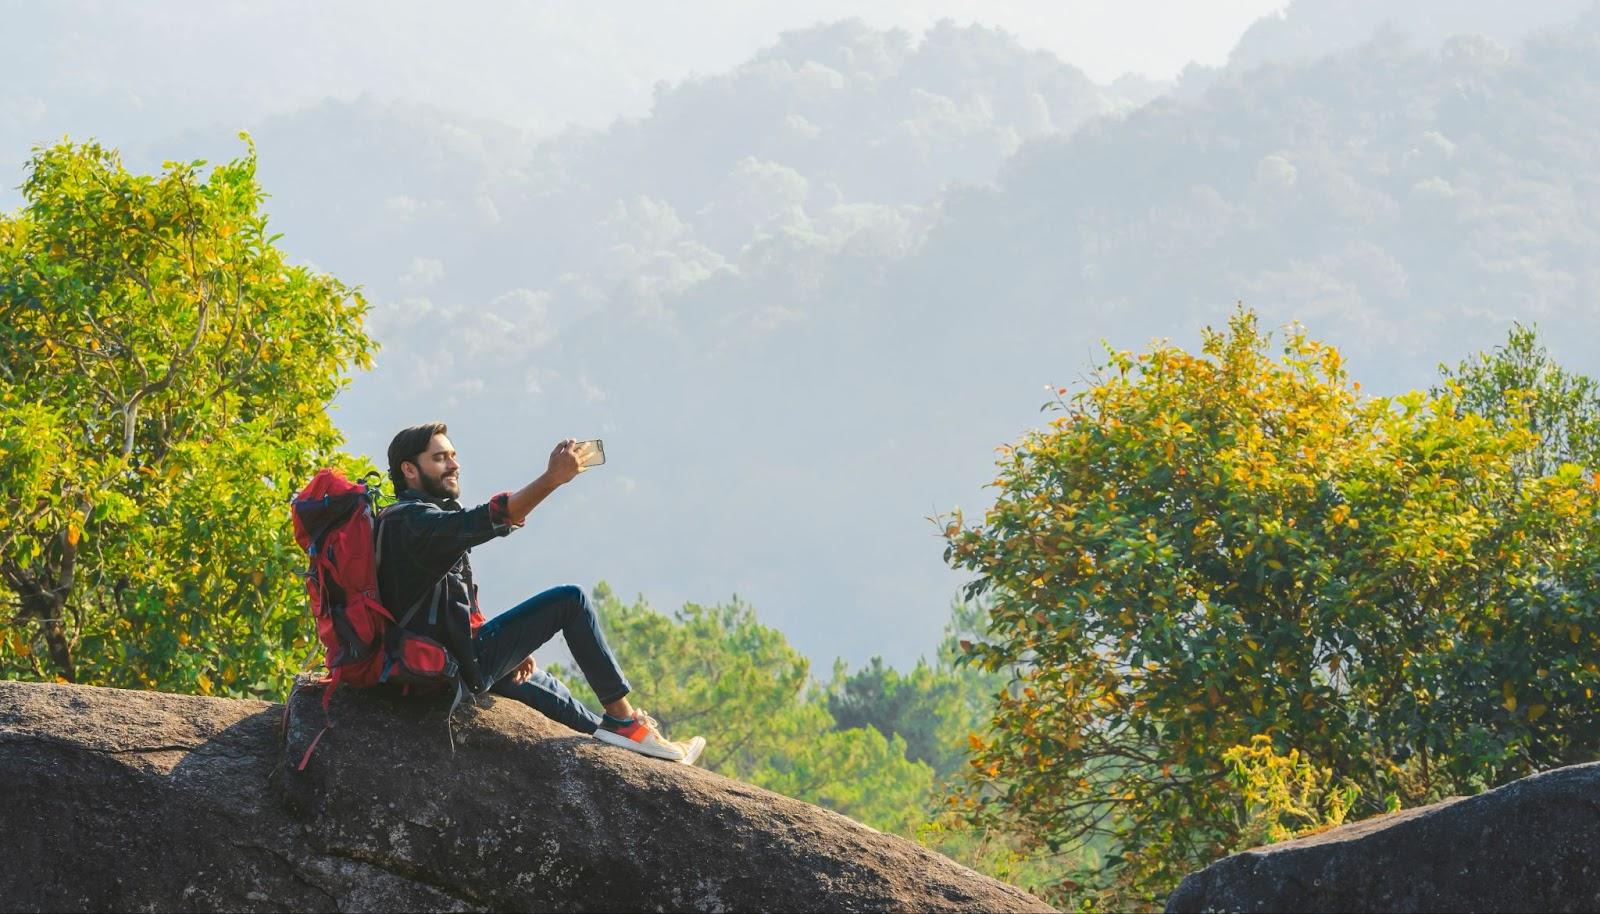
x=564 y=463
x=564 y=466
x=524 y=671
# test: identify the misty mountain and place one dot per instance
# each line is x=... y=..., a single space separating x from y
x=804 y=299
x=680 y=284
x=1405 y=202
x=1309 y=29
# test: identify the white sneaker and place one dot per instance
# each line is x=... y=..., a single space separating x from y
x=692 y=749
x=643 y=735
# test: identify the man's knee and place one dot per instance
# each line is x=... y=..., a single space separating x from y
x=575 y=599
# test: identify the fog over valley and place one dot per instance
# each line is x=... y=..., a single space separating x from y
x=804 y=293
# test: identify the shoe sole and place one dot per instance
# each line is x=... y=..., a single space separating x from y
x=606 y=736
x=695 y=746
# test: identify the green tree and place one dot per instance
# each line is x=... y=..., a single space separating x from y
x=1519 y=387
x=1518 y=384
x=163 y=393
x=1204 y=549
x=717 y=672
x=939 y=708
x=935 y=707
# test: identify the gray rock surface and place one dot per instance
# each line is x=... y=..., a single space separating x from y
x=119 y=800
x=1532 y=845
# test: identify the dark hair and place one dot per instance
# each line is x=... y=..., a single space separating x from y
x=407 y=445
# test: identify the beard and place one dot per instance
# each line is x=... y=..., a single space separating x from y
x=442 y=486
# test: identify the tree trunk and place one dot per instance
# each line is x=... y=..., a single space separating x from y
x=47 y=609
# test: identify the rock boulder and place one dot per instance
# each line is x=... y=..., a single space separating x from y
x=119 y=800
x=1532 y=845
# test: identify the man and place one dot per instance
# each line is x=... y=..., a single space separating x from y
x=424 y=540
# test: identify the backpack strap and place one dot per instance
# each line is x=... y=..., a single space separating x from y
x=449 y=727
x=327 y=720
x=431 y=596
x=377 y=533
x=377 y=545
x=377 y=564
x=434 y=597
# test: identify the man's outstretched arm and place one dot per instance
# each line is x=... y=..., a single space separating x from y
x=563 y=467
x=436 y=539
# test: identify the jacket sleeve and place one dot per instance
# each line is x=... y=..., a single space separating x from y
x=435 y=538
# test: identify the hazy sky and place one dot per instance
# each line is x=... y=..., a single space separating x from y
x=171 y=79
x=538 y=65
x=810 y=230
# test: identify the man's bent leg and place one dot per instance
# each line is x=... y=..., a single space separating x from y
x=547 y=695
x=506 y=640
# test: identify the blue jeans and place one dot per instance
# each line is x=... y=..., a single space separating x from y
x=502 y=643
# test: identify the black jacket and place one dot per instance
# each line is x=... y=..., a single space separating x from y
x=422 y=562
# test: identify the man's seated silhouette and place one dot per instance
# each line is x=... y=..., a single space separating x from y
x=425 y=538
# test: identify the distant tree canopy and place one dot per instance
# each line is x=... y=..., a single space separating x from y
x=934 y=707
x=877 y=745
x=717 y=672
x=1204 y=550
x=163 y=391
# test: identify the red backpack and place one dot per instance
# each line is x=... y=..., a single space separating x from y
x=334 y=524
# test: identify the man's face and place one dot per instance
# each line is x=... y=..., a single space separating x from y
x=440 y=473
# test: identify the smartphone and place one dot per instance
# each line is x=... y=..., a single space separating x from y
x=591 y=453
